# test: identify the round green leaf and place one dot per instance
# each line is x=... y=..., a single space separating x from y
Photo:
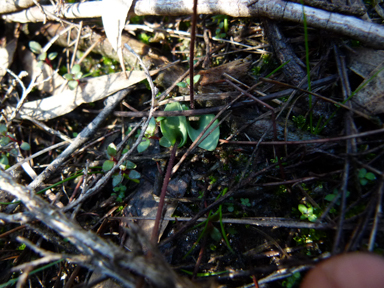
x=108 y=165
x=165 y=142
x=42 y=56
x=25 y=146
x=52 y=55
x=182 y=84
x=210 y=143
x=4 y=161
x=143 y=145
x=116 y=180
x=4 y=141
x=130 y=165
x=215 y=234
x=68 y=76
x=75 y=69
x=111 y=149
x=35 y=47
x=370 y=176
x=133 y=174
x=72 y=84
x=3 y=128
x=174 y=128
x=303 y=209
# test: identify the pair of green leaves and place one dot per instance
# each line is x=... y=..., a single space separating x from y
x=177 y=129
x=74 y=76
x=41 y=54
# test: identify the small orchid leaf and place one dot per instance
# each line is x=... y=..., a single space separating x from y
x=52 y=56
x=133 y=174
x=151 y=127
x=130 y=165
x=165 y=142
x=143 y=145
x=42 y=56
x=77 y=75
x=73 y=84
x=174 y=128
x=68 y=76
x=116 y=180
x=182 y=84
x=111 y=149
x=215 y=234
x=210 y=143
x=108 y=165
x=75 y=69
x=370 y=176
x=362 y=173
x=25 y=146
x=196 y=78
x=35 y=47
x=4 y=161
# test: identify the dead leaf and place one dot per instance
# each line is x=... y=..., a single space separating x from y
x=369 y=64
x=91 y=90
x=6 y=56
x=114 y=13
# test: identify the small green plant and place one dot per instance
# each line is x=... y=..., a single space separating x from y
x=299 y=121
x=74 y=76
x=366 y=177
x=41 y=54
x=307 y=212
x=332 y=196
x=245 y=202
x=126 y=170
x=6 y=147
x=177 y=129
x=222 y=29
x=187 y=81
x=292 y=280
x=149 y=133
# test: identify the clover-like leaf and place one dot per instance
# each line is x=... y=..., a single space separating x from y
x=116 y=180
x=112 y=150
x=133 y=174
x=73 y=84
x=130 y=165
x=52 y=56
x=151 y=127
x=75 y=69
x=42 y=56
x=143 y=145
x=35 y=47
x=25 y=146
x=108 y=165
x=165 y=142
x=174 y=128
x=210 y=143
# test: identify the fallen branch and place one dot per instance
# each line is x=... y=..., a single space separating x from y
x=370 y=33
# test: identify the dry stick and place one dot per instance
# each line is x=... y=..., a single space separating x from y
x=192 y=53
x=167 y=177
x=84 y=136
x=306 y=141
x=76 y=44
x=378 y=215
x=321 y=97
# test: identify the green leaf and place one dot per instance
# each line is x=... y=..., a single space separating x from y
x=182 y=84
x=4 y=141
x=151 y=127
x=4 y=161
x=72 y=84
x=42 y=56
x=3 y=129
x=52 y=56
x=116 y=179
x=215 y=234
x=196 y=78
x=130 y=165
x=330 y=197
x=143 y=145
x=312 y=218
x=35 y=47
x=68 y=76
x=77 y=75
x=165 y=142
x=75 y=69
x=112 y=150
x=370 y=176
x=210 y=143
x=363 y=181
x=303 y=209
x=230 y=208
x=108 y=165
x=133 y=174
x=25 y=146
x=362 y=173
x=174 y=128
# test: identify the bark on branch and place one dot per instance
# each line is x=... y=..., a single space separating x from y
x=370 y=33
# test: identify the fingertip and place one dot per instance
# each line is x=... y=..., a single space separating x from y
x=353 y=270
